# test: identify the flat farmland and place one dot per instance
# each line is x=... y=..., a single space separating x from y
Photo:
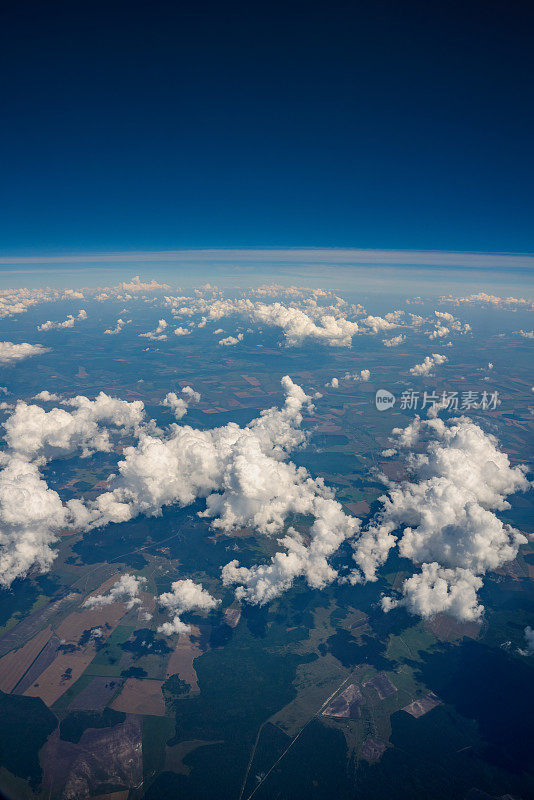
x=31 y=625
x=422 y=706
x=62 y=672
x=181 y=660
x=447 y=629
x=382 y=685
x=141 y=696
x=106 y=618
x=16 y=663
x=108 y=660
x=96 y=695
x=43 y=660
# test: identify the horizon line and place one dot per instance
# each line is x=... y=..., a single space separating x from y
x=291 y=255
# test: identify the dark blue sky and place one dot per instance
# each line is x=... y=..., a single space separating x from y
x=160 y=125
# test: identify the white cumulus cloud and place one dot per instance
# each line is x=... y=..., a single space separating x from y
x=47 y=397
x=395 y=341
x=185 y=595
x=136 y=286
x=10 y=352
x=459 y=480
x=125 y=590
x=179 y=405
x=31 y=515
x=33 y=432
x=118 y=327
x=426 y=367
x=158 y=334
x=231 y=340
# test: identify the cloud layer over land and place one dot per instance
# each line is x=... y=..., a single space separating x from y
x=444 y=518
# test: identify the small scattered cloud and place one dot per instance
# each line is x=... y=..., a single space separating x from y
x=125 y=590
x=118 y=327
x=179 y=405
x=137 y=286
x=158 y=334
x=529 y=642
x=231 y=340
x=426 y=367
x=395 y=341
x=47 y=397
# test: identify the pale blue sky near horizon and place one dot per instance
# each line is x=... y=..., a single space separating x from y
x=408 y=273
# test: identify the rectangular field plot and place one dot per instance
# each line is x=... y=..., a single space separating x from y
x=422 y=706
x=141 y=696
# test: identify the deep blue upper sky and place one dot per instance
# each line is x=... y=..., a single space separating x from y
x=130 y=125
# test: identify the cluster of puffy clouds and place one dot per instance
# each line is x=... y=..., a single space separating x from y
x=18 y=301
x=363 y=375
x=11 y=352
x=67 y=323
x=302 y=314
x=31 y=514
x=159 y=334
x=317 y=315
x=426 y=366
x=444 y=519
x=297 y=325
x=445 y=323
x=242 y=473
x=184 y=596
x=294 y=292
x=302 y=318
x=137 y=286
x=330 y=325
x=39 y=435
x=136 y=289
x=187 y=463
x=526 y=334
x=484 y=299
x=262 y=583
